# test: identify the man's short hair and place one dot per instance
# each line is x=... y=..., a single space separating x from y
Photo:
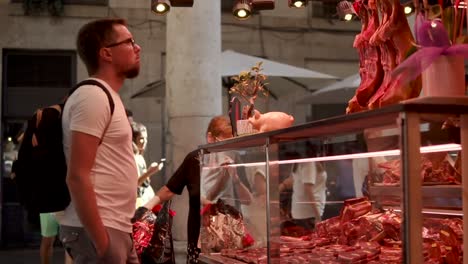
x=92 y=37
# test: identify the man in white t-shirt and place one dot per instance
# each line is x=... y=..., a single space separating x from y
x=309 y=194
x=96 y=227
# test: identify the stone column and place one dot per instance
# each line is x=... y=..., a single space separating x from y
x=193 y=88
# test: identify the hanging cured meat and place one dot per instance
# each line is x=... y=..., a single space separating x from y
x=388 y=51
x=370 y=68
x=392 y=40
x=395 y=32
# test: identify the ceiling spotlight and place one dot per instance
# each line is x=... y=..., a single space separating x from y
x=348 y=17
x=297 y=3
x=409 y=8
x=242 y=9
x=160 y=7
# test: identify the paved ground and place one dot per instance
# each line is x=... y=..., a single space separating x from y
x=31 y=255
x=21 y=240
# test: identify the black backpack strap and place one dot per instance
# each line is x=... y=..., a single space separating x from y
x=100 y=85
x=109 y=96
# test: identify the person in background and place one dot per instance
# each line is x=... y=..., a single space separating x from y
x=49 y=227
x=308 y=181
x=140 y=138
x=96 y=226
x=49 y=230
x=14 y=164
x=188 y=175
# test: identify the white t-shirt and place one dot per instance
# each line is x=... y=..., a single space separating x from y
x=305 y=175
x=114 y=172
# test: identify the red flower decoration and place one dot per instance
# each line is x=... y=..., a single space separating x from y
x=247 y=240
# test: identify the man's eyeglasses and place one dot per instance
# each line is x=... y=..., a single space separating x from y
x=127 y=41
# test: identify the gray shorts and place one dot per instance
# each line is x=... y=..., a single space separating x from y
x=78 y=244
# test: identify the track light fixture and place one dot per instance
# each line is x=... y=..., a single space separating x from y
x=160 y=7
x=348 y=17
x=409 y=8
x=345 y=10
x=242 y=9
x=297 y=3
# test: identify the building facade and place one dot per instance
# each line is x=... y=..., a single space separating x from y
x=39 y=63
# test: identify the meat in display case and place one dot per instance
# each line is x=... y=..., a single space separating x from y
x=381 y=186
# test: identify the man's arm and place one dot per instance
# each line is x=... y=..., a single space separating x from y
x=310 y=174
x=286 y=184
x=82 y=158
x=224 y=173
x=260 y=183
x=220 y=183
x=245 y=196
x=149 y=172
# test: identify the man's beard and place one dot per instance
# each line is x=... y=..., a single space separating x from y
x=132 y=72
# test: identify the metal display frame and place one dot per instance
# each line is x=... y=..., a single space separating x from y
x=407 y=115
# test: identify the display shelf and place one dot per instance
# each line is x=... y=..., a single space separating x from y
x=433 y=196
x=347 y=123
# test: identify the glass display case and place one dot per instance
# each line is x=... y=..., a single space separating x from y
x=381 y=186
